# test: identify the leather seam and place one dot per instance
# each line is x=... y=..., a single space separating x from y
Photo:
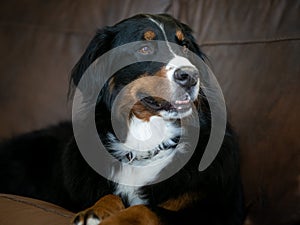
x=36 y=206
x=247 y=42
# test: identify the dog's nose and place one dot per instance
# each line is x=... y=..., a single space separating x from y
x=186 y=77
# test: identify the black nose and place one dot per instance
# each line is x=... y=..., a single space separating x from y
x=186 y=76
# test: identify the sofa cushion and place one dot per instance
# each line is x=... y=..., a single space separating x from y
x=26 y=211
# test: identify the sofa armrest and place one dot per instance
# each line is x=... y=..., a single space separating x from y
x=16 y=210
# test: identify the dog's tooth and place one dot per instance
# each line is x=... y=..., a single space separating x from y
x=133 y=156
x=182 y=102
x=130 y=157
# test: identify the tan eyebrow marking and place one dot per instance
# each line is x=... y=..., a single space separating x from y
x=149 y=35
x=179 y=35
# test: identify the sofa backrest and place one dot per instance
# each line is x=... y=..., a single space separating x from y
x=253 y=47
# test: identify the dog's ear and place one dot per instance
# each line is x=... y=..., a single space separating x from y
x=195 y=47
x=100 y=44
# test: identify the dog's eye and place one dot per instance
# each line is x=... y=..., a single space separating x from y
x=146 y=50
x=185 y=44
x=185 y=49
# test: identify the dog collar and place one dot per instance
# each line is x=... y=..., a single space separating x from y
x=132 y=156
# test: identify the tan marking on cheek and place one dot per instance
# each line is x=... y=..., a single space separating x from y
x=161 y=73
x=179 y=35
x=155 y=86
x=129 y=104
x=141 y=85
x=181 y=202
x=149 y=35
x=141 y=112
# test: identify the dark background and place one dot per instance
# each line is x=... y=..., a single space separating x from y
x=254 y=50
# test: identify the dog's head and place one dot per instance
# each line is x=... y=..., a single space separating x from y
x=149 y=89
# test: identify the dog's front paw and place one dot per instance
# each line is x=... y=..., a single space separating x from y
x=138 y=214
x=105 y=207
x=87 y=218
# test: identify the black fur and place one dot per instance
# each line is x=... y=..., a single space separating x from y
x=47 y=164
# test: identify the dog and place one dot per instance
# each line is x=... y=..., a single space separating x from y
x=157 y=96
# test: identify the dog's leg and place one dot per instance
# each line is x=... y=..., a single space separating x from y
x=105 y=207
x=138 y=214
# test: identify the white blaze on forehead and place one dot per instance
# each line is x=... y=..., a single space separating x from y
x=161 y=26
x=177 y=61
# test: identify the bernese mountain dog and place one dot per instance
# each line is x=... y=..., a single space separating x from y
x=150 y=100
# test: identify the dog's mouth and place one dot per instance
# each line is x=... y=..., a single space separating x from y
x=180 y=105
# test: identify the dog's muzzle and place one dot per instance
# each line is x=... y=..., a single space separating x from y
x=186 y=77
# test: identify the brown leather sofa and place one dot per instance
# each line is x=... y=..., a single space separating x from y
x=253 y=47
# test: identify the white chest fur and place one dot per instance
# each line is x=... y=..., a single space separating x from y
x=144 y=137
